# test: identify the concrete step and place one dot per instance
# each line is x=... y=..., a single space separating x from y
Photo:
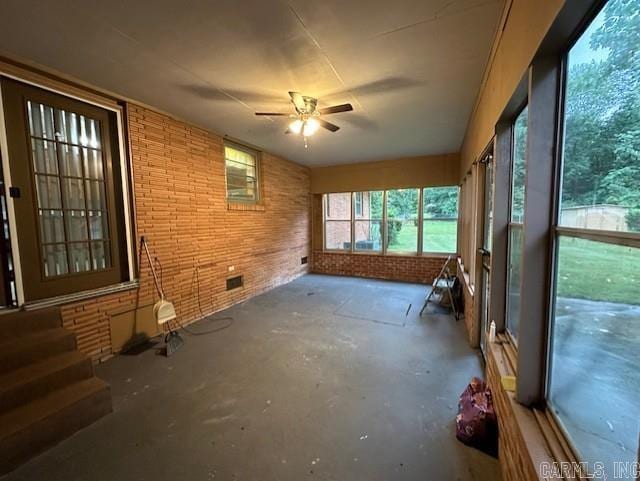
x=21 y=386
x=30 y=429
x=16 y=323
x=33 y=347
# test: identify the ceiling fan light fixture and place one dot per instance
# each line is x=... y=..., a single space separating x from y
x=310 y=127
x=296 y=126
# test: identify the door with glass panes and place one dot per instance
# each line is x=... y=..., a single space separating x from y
x=63 y=162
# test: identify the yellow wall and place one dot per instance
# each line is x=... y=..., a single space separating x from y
x=517 y=41
x=423 y=171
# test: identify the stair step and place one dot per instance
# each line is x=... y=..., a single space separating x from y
x=33 y=347
x=38 y=425
x=21 y=386
x=15 y=323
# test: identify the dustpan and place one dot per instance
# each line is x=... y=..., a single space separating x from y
x=164 y=311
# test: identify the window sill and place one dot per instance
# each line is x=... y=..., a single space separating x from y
x=81 y=296
x=388 y=254
x=239 y=206
x=466 y=278
x=528 y=439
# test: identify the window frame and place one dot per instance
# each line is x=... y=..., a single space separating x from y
x=384 y=251
x=511 y=225
x=423 y=219
x=418 y=219
x=257 y=156
x=326 y=210
x=608 y=237
x=544 y=85
x=355 y=219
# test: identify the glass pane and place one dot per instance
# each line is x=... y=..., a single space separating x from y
x=240 y=170
x=73 y=193
x=513 y=279
x=519 y=167
x=402 y=220
x=48 y=189
x=89 y=132
x=601 y=171
x=440 y=235
x=337 y=234
x=70 y=160
x=402 y=236
x=95 y=195
x=338 y=206
x=93 y=164
x=55 y=260
x=440 y=211
x=44 y=156
x=79 y=257
x=76 y=225
x=595 y=380
x=239 y=156
x=68 y=126
x=101 y=255
x=40 y=120
x=368 y=235
x=368 y=205
x=51 y=226
x=488 y=210
x=98 y=225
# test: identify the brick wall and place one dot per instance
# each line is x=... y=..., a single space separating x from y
x=181 y=208
x=398 y=268
x=514 y=463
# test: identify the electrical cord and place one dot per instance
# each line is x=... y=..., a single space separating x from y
x=183 y=327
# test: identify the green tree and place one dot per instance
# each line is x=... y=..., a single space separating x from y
x=602 y=116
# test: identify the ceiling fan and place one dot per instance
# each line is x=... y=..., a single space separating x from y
x=306 y=120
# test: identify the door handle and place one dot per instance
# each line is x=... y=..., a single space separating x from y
x=483 y=252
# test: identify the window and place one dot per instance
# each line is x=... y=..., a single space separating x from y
x=518 y=173
x=440 y=219
x=337 y=224
x=402 y=221
x=399 y=218
x=368 y=221
x=241 y=166
x=594 y=381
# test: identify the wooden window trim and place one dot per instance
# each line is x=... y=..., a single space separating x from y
x=244 y=204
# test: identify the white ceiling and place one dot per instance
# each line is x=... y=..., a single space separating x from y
x=411 y=68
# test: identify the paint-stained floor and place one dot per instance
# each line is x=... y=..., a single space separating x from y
x=326 y=378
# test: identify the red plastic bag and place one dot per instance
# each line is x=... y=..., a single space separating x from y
x=476 y=422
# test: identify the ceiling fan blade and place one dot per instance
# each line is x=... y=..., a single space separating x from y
x=271 y=114
x=298 y=101
x=328 y=125
x=336 y=109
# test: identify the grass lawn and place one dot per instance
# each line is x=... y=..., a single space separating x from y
x=439 y=236
x=586 y=269
x=597 y=271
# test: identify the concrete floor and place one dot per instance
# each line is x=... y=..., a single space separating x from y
x=325 y=378
x=595 y=386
